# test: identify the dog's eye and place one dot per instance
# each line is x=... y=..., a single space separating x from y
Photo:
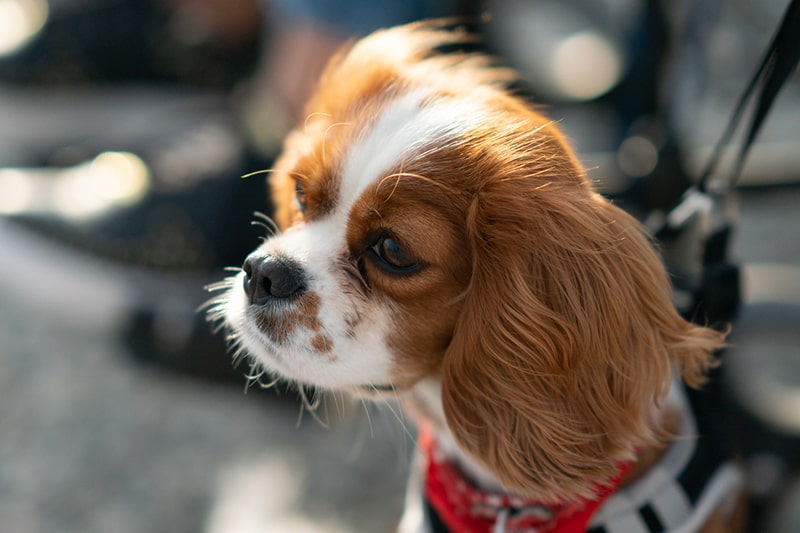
x=300 y=196
x=393 y=257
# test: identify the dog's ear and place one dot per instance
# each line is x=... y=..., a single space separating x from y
x=567 y=335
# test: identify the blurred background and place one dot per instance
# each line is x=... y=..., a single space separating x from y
x=125 y=126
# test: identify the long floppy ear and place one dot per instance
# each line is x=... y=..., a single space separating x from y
x=567 y=334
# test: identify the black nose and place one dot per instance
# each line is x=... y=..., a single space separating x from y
x=269 y=278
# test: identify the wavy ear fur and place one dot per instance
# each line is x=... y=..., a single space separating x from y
x=567 y=336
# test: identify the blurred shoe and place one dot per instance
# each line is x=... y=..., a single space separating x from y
x=127 y=240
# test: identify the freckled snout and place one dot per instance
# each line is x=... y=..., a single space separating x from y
x=268 y=278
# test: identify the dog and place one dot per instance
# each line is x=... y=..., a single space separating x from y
x=440 y=243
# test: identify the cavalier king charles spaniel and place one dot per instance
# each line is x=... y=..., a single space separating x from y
x=441 y=243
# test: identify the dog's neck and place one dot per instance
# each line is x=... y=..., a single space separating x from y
x=425 y=401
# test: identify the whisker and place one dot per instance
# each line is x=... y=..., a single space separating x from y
x=325 y=410
x=310 y=406
x=257 y=172
x=266 y=221
x=238 y=351
x=340 y=407
x=227 y=283
x=312 y=115
x=366 y=412
x=398 y=416
x=215 y=318
x=302 y=411
x=261 y=384
x=261 y=224
x=214 y=309
x=325 y=137
x=398 y=175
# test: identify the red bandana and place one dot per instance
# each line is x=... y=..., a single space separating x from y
x=466 y=509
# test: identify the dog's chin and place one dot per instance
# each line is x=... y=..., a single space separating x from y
x=277 y=366
x=302 y=365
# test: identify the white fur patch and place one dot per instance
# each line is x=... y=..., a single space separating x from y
x=410 y=123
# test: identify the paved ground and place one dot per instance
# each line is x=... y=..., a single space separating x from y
x=90 y=441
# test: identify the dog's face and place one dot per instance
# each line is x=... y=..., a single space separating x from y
x=376 y=251
x=437 y=226
x=363 y=288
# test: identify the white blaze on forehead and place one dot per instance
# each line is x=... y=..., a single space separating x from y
x=408 y=125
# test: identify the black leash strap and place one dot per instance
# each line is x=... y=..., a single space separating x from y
x=778 y=63
x=776 y=66
x=695 y=233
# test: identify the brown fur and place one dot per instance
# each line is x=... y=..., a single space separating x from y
x=543 y=308
x=566 y=337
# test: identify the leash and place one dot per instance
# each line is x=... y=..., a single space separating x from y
x=695 y=232
x=778 y=63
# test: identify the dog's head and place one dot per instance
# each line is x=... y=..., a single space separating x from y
x=435 y=225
